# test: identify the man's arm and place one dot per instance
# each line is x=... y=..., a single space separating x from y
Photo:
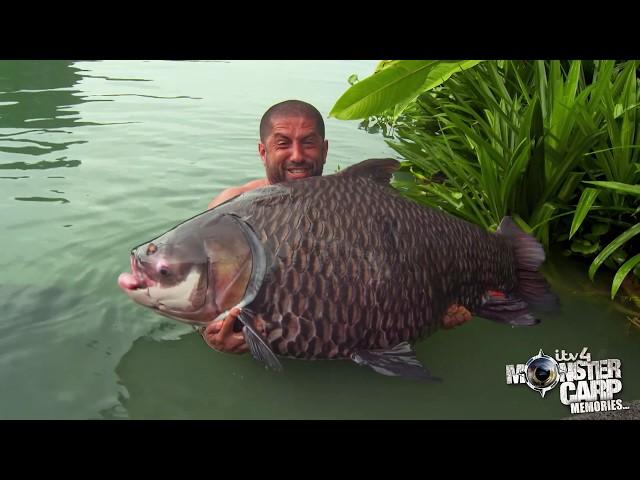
x=224 y=196
x=233 y=191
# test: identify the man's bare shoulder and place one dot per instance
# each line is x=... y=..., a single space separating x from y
x=261 y=182
x=231 y=192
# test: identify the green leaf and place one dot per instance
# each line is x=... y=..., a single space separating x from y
x=522 y=224
x=629 y=97
x=391 y=84
x=619 y=256
x=541 y=218
x=384 y=64
x=584 y=246
x=443 y=193
x=587 y=198
x=535 y=175
x=570 y=159
x=600 y=229
x=618 y=186
x=617 y=110
x=396 y=82
x=612 y=247
x=622 y=273
x=521 y=157
x=566 y=192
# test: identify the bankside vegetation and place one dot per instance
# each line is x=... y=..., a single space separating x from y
x=554 y=144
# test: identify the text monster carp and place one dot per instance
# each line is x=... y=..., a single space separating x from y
x=337 y=267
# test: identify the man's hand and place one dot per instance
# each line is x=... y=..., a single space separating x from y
x=220 y=335
x=456 y=315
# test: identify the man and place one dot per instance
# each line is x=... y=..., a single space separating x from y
x=292 y=146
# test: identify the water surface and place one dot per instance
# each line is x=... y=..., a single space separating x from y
x=96 y=157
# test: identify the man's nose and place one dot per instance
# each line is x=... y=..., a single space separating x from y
x=297 y=154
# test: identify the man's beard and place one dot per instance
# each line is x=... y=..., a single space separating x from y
x=278 y=174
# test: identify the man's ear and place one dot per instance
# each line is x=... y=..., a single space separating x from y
x=326 y=150
x=263 y=153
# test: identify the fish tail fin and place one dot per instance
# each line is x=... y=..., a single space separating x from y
x=532 y=292
x=532 y=286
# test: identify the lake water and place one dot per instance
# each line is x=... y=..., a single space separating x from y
x=96 y=157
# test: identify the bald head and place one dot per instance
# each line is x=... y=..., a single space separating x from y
x=290 y=108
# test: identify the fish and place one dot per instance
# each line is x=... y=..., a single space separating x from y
x=340 y=266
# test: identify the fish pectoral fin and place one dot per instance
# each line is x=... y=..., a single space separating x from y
x=258 y=347
x=400 y=361
x=506 y=309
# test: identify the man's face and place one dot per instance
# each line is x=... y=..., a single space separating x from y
x=294 y=149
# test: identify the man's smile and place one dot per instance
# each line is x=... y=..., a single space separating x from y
x=297 y=172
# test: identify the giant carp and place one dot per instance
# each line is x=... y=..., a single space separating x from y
x=338 y=267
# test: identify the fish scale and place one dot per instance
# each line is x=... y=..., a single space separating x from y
x=372 y=287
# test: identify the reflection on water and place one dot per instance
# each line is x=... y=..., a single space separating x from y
x=149 y=96
x=41 y=94
x=39 y=116
x=113 y=79
x=38 y=94
x=44 y=164
x=37 y=147
x=42 y=199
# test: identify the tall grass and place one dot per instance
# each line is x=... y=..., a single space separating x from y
x=551 y=143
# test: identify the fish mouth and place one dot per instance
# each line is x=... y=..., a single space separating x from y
x=139 y=287
x=135 y=280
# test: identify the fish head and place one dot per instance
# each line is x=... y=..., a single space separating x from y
x=168 y=274
x=191 y=273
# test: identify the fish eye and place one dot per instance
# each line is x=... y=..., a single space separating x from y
x=164 y=271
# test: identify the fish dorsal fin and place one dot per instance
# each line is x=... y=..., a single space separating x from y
x=378 y=169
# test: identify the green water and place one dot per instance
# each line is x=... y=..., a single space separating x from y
x=96 y=157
